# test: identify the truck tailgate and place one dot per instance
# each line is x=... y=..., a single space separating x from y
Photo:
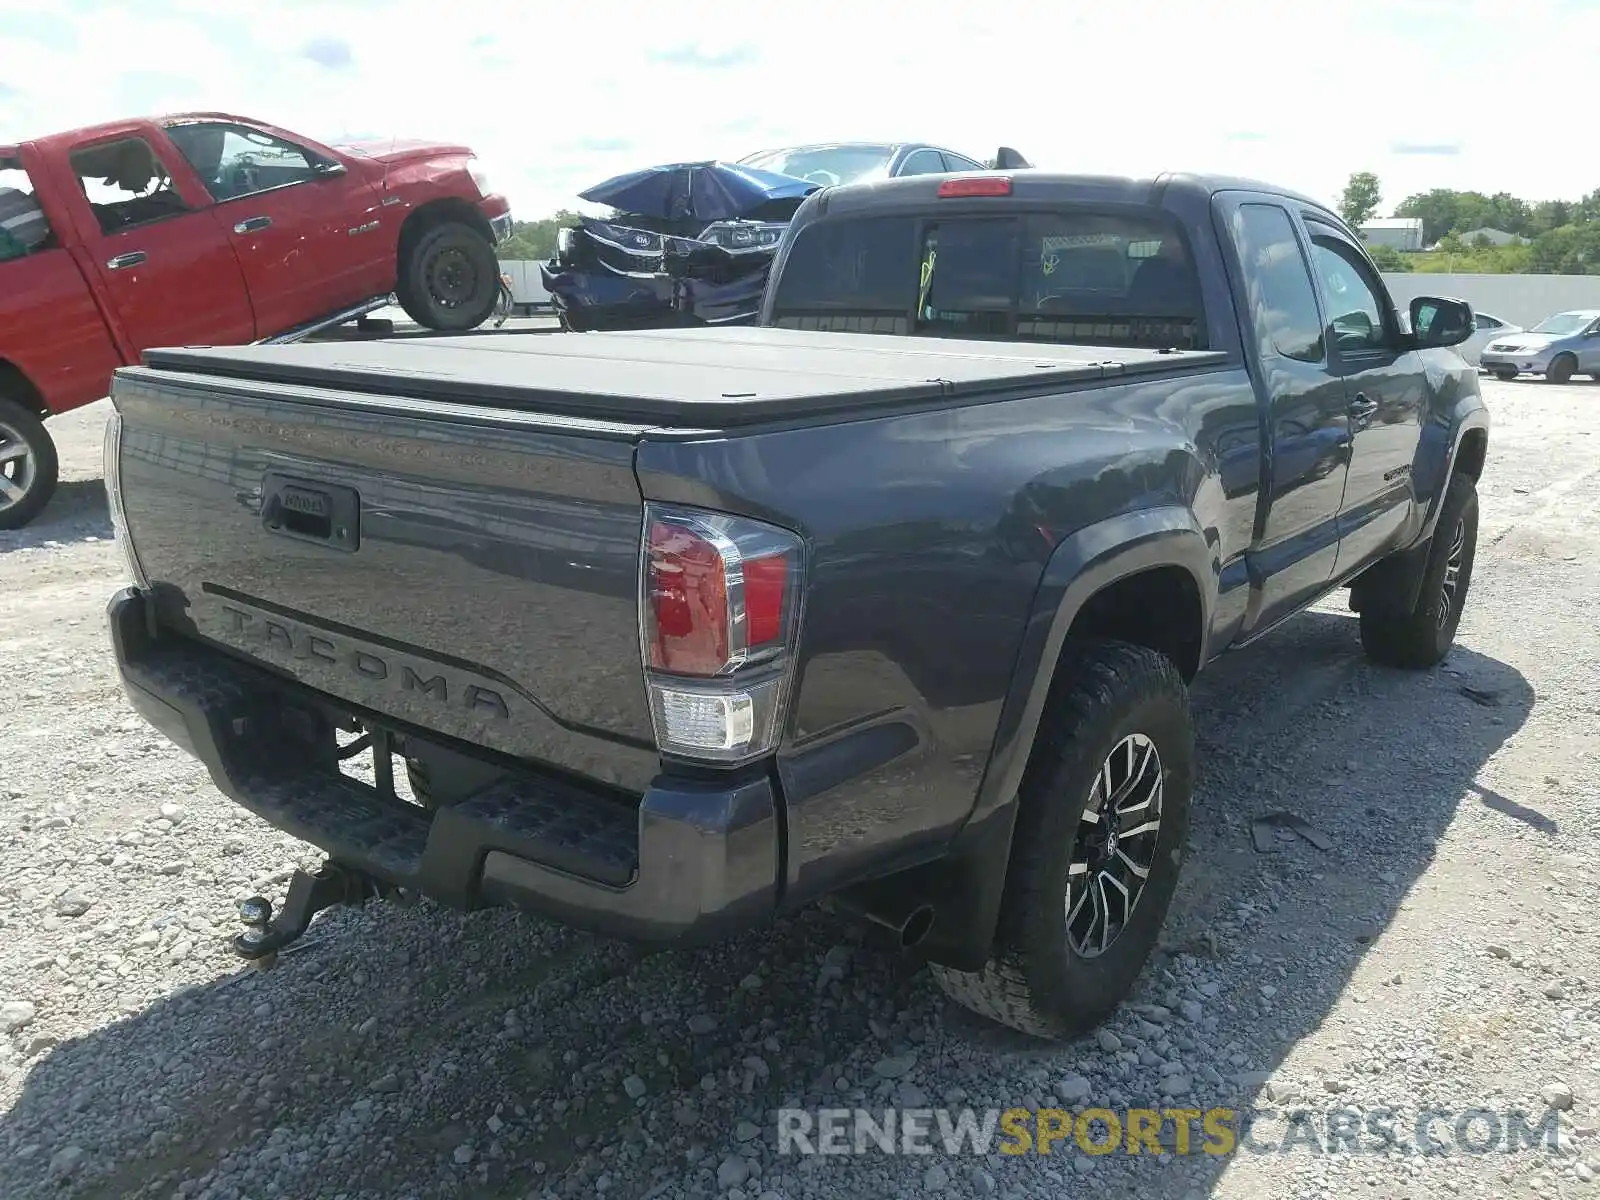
x=475 y=577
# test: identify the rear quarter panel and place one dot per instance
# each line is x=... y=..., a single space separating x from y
x=928 y=535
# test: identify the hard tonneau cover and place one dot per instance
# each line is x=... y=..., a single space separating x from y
x=707 y=378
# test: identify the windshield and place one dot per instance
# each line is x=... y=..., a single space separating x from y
x=1082 y=278
x=1563 y=323
x=827 y=165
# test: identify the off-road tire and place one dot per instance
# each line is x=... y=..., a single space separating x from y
x=1562 y=368
x=43 y=467
x=419 y=289
x=1419 y=638
x=1036 y=982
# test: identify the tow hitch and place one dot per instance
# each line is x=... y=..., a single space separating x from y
x=308 y=895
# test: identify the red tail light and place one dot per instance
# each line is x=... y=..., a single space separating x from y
x=983 y=185
x=711 y=607
x=718 y=620
x=688 y=593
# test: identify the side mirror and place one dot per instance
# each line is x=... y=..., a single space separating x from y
x=327 y=169
x=1438 y=322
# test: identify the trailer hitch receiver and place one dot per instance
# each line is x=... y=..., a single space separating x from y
x=266 y=934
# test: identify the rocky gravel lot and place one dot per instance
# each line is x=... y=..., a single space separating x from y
x=1442 y=953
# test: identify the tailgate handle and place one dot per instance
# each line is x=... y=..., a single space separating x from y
x=311 y=511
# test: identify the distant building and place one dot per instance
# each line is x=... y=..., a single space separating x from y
x=1495 y=237
x=1402 y=233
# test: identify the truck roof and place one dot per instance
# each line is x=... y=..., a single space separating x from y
x=87 y=132
x=706 y=379
x=1045 y=187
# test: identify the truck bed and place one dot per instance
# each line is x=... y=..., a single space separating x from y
x=702 y=378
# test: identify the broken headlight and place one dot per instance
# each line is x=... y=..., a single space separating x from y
x=737 y=236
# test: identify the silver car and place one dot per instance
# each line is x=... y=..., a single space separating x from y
x=1558 y=348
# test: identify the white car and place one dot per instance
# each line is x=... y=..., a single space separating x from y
x=1485 y=329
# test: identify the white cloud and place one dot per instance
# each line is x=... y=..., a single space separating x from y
x=556 y=100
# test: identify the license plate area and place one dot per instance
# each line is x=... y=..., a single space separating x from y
x=311 y=511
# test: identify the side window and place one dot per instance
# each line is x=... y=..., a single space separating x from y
x=236 y=160
x=24 y=229
x=1282 y=297
x=1483 y=323
x=955 y=162
x=923 y=162
x=1355 y=314
x=126 y=184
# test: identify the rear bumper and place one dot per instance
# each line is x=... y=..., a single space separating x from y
x=694 y=860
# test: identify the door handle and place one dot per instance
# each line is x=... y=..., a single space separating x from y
x=1362 y=407
x=252 y=224
x=131 y=259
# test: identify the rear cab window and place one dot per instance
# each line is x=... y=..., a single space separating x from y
x=1074 y=276
x=24 y=227
x=126 y=184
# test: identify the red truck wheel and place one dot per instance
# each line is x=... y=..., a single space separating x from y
x=449 y=278
x=27 y=465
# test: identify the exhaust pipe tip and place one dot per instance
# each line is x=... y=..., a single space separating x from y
x=916 y=926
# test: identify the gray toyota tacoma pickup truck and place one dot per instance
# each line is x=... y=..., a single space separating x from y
x=892 y=599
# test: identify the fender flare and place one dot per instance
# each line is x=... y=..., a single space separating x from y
x=1475 y=418
x=1393 y=582
x=1082 y=564
x=968 y=884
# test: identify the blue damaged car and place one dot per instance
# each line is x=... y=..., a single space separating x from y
x=691 y=243
x=1558 y=348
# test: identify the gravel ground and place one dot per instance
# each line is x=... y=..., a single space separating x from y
x=1443 y=951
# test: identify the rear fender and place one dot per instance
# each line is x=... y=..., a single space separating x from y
x=966 y=886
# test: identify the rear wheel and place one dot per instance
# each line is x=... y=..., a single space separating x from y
x=449 y=278
x=1101 y=827
x=1562 y=368
x=1420 y=637
x=28 y=467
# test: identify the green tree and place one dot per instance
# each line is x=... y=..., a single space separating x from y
x=1361 y=198
x=1438 y=210
x=535 y=241
x=1550 y=214
x=1569 y=250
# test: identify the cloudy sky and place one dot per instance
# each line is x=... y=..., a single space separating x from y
x=1427 y=93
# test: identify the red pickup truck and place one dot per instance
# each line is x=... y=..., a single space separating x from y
x=211 y=229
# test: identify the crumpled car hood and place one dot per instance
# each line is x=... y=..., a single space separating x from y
x=689 y=243
x=697 y=191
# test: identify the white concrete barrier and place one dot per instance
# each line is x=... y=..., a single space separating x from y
x=1523 y=300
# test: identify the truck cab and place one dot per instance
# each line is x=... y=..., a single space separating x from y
x=214 y=229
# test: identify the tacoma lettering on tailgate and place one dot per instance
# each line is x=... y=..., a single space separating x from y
x=281 y=639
